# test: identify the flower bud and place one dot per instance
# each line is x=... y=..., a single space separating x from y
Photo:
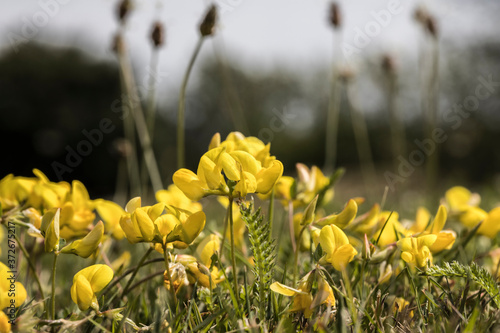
x=208 y=23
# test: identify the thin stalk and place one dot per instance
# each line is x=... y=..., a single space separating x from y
x=32 y=267
x=53 y=296
x=233 y=256
x=134 y=273
x=362 y=142
x=397 y=126
x=226 y=223
x=271 y=214
x=291 y=226
x=140 y=121
x=432 y=167
x=182 y=107
x=333 y=113
x=167 y=268
x=296 y=258
x=150 y=111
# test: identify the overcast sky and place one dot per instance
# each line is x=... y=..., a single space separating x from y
x=259 y=34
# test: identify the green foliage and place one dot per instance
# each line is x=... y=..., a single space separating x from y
x=263 y=250
x=474 y=272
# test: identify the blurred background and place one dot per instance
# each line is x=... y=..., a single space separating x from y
x=268 y=71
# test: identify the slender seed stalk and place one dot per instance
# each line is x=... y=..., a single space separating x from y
x=139 y=265
x=233 y=256
x=53 y=296
x=362 y=142
x=139 y=120
x=150 y=112
x=182 y=107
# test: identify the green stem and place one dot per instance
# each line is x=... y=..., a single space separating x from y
x=53 y=297
x=144 y=257
x=167 y=268
x=32 y=267
x=233 y=257
x=271 y=214
x=182 y=107
x=296 y=257
x=226 y=222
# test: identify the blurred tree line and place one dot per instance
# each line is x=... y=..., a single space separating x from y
x=52 y=99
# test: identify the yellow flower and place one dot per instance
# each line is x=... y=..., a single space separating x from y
x=87 y=245
x=335 y=245
x=50 y=229
x=400 y=304
x=12 y=293
x=88 y=282
x=110 y=214
x=343 y=218
x=460 y=199
x=392 y=225
x=173 y=196
x=46 y=194
x=311 y=182
x=138 y=222
x=471 y=216
x=368 y=223
x=76 y=212
x=303 y=300
x=491 y=224
x=415 y=250
x=14 y=190
x=445 y=238
x=4 y=323
x=244 y=174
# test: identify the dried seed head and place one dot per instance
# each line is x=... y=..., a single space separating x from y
x=122 y=147
x=335 y=18
x=421 y=15
x=123 y=9
x=118 y=45
x=431 y=26
x=158 y=35
x=388 y=64
x=208 y=24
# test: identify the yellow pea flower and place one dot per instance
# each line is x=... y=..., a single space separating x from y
x=460 y=199
x=445 y=238
x=138 y=222
x=388 y=234
x=110 y=213
x=400 y=304
x=335 y=245
x=343 y=218
x=491 y=224
x=14 y=190
x=173 y=196
x=311 y=182
x=88 y=282
x=205 y=250
x=471 y=216
x=4 y=323
x=87 y=245
x=303 y=300
x=181 y=229
x=239 y=167
x=50 y=229
x=12 y=292
x=46 y=194
x=416 y=250
x=76 y=212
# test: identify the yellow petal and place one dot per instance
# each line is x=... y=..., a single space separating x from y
x=285 y=290
x=472 y=216
x=189 y=184
x=230 y=167
x=133 y=204
x=110 y=214
x=458 y=198
x=491 y=224
x=248 y=162
x=145 y=224
x=86 y=246
x=207 y=248
x=421 y=220
x=439 y=220
x=81 y=293
x=209 y=172
x=343 y=218
x=266 y=178
x=52 y=233
x=215 y=142
x=343 y=256
x=187 y=231
x=4 y=323
x=445 y=240
x=98 y=276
